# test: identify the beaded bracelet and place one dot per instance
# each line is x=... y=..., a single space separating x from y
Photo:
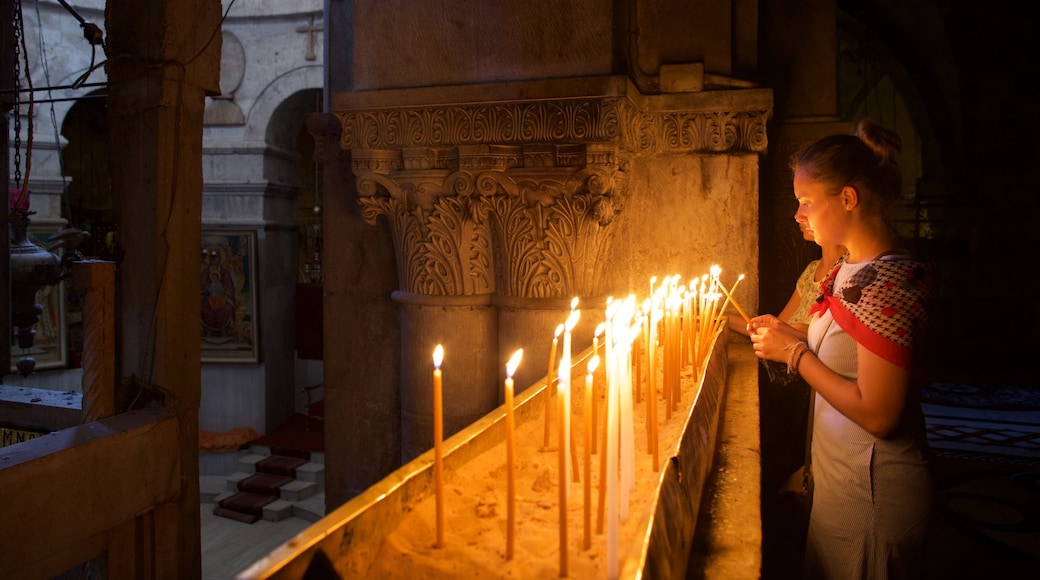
x=798 y=360
x=793 y=347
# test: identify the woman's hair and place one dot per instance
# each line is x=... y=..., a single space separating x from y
x=866 y=161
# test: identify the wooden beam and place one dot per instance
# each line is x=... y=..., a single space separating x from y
x=63 y=490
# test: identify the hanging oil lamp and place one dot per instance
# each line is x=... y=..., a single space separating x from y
x=32 y=268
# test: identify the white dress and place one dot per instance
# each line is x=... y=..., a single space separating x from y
x=872 y=496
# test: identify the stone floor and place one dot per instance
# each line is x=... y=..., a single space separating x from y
x=229 y=546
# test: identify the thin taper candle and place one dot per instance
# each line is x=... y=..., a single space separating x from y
x=438 y=436
x=588 y=434
x=549 y=383
x=510 y=455
x=563 y=480
x=729 y=298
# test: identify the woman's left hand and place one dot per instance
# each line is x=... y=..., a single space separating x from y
x=772 y=343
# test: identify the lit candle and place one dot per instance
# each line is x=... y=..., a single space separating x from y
x=562 y=463
x=549 y=382
x=626 y=424
x=565 y=394
x=511 y=468
x=611 y=453
x=589 y=434
x=438 y=435
x=651 y=390
x=595 y=352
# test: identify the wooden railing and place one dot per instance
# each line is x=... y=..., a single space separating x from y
x=86 y=491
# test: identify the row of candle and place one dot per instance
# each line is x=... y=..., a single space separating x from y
x=674 y=327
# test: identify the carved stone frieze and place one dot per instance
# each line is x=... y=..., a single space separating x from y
x=487 y=194
x=605 y=120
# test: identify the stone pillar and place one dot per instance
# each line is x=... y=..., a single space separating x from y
x=442 y=240
x=466 y=326
x=362 y=336
x=160 y=69
x=798 y=47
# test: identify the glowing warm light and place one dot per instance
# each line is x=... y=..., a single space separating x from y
x=514 y=362
x=438 y=356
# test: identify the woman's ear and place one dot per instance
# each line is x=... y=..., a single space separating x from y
x=849 y=197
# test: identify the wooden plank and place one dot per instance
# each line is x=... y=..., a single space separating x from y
x=133 y=463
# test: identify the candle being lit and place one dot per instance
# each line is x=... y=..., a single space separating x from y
x=438 y=436
x=514 y=362
x=729 y=298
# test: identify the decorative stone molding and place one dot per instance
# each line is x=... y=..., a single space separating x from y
x=492 y=193
x=640 y=126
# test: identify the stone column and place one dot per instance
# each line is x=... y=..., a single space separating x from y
x=362 y=339
x=798 y=58
x=160 y=70
x=442 y=241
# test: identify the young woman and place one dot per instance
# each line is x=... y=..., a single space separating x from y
x=873 y=490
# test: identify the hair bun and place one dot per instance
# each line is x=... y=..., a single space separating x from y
x=883 y=142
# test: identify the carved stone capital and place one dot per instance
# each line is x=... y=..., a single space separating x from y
x=485 y=191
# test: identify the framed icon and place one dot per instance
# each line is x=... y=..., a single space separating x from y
x=228 y=292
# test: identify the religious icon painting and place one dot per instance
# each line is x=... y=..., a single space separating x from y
x=228 y=292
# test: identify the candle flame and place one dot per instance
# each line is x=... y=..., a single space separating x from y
x=593 y=363
x=600 y=328
x=514 y=362
x=574 y=303
x=715 y=271
x=572 y=320
x=438 y=356
x=739 y=278
x=559 y=331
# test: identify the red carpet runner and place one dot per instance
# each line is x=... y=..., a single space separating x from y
x=263 y=487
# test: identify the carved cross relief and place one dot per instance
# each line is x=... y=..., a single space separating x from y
x=311 y=29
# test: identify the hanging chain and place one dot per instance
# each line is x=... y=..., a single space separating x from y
x=22 y=182
x=18 y=90
x=19 y=48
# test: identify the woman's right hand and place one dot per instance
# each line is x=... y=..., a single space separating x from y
x=764 y=321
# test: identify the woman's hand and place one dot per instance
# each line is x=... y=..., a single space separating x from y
x=772 y=343
x=798 y=331
x=762 y=321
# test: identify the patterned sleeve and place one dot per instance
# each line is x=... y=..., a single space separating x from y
x=885 y=306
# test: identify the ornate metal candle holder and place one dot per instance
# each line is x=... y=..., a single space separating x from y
x=32 y=268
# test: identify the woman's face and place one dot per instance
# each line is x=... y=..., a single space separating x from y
x=803 y=226
x=820 y=213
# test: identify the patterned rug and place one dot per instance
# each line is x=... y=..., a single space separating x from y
x=992 y=421
x=995 y=397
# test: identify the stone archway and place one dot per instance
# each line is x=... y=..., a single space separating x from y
x=289 y=163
